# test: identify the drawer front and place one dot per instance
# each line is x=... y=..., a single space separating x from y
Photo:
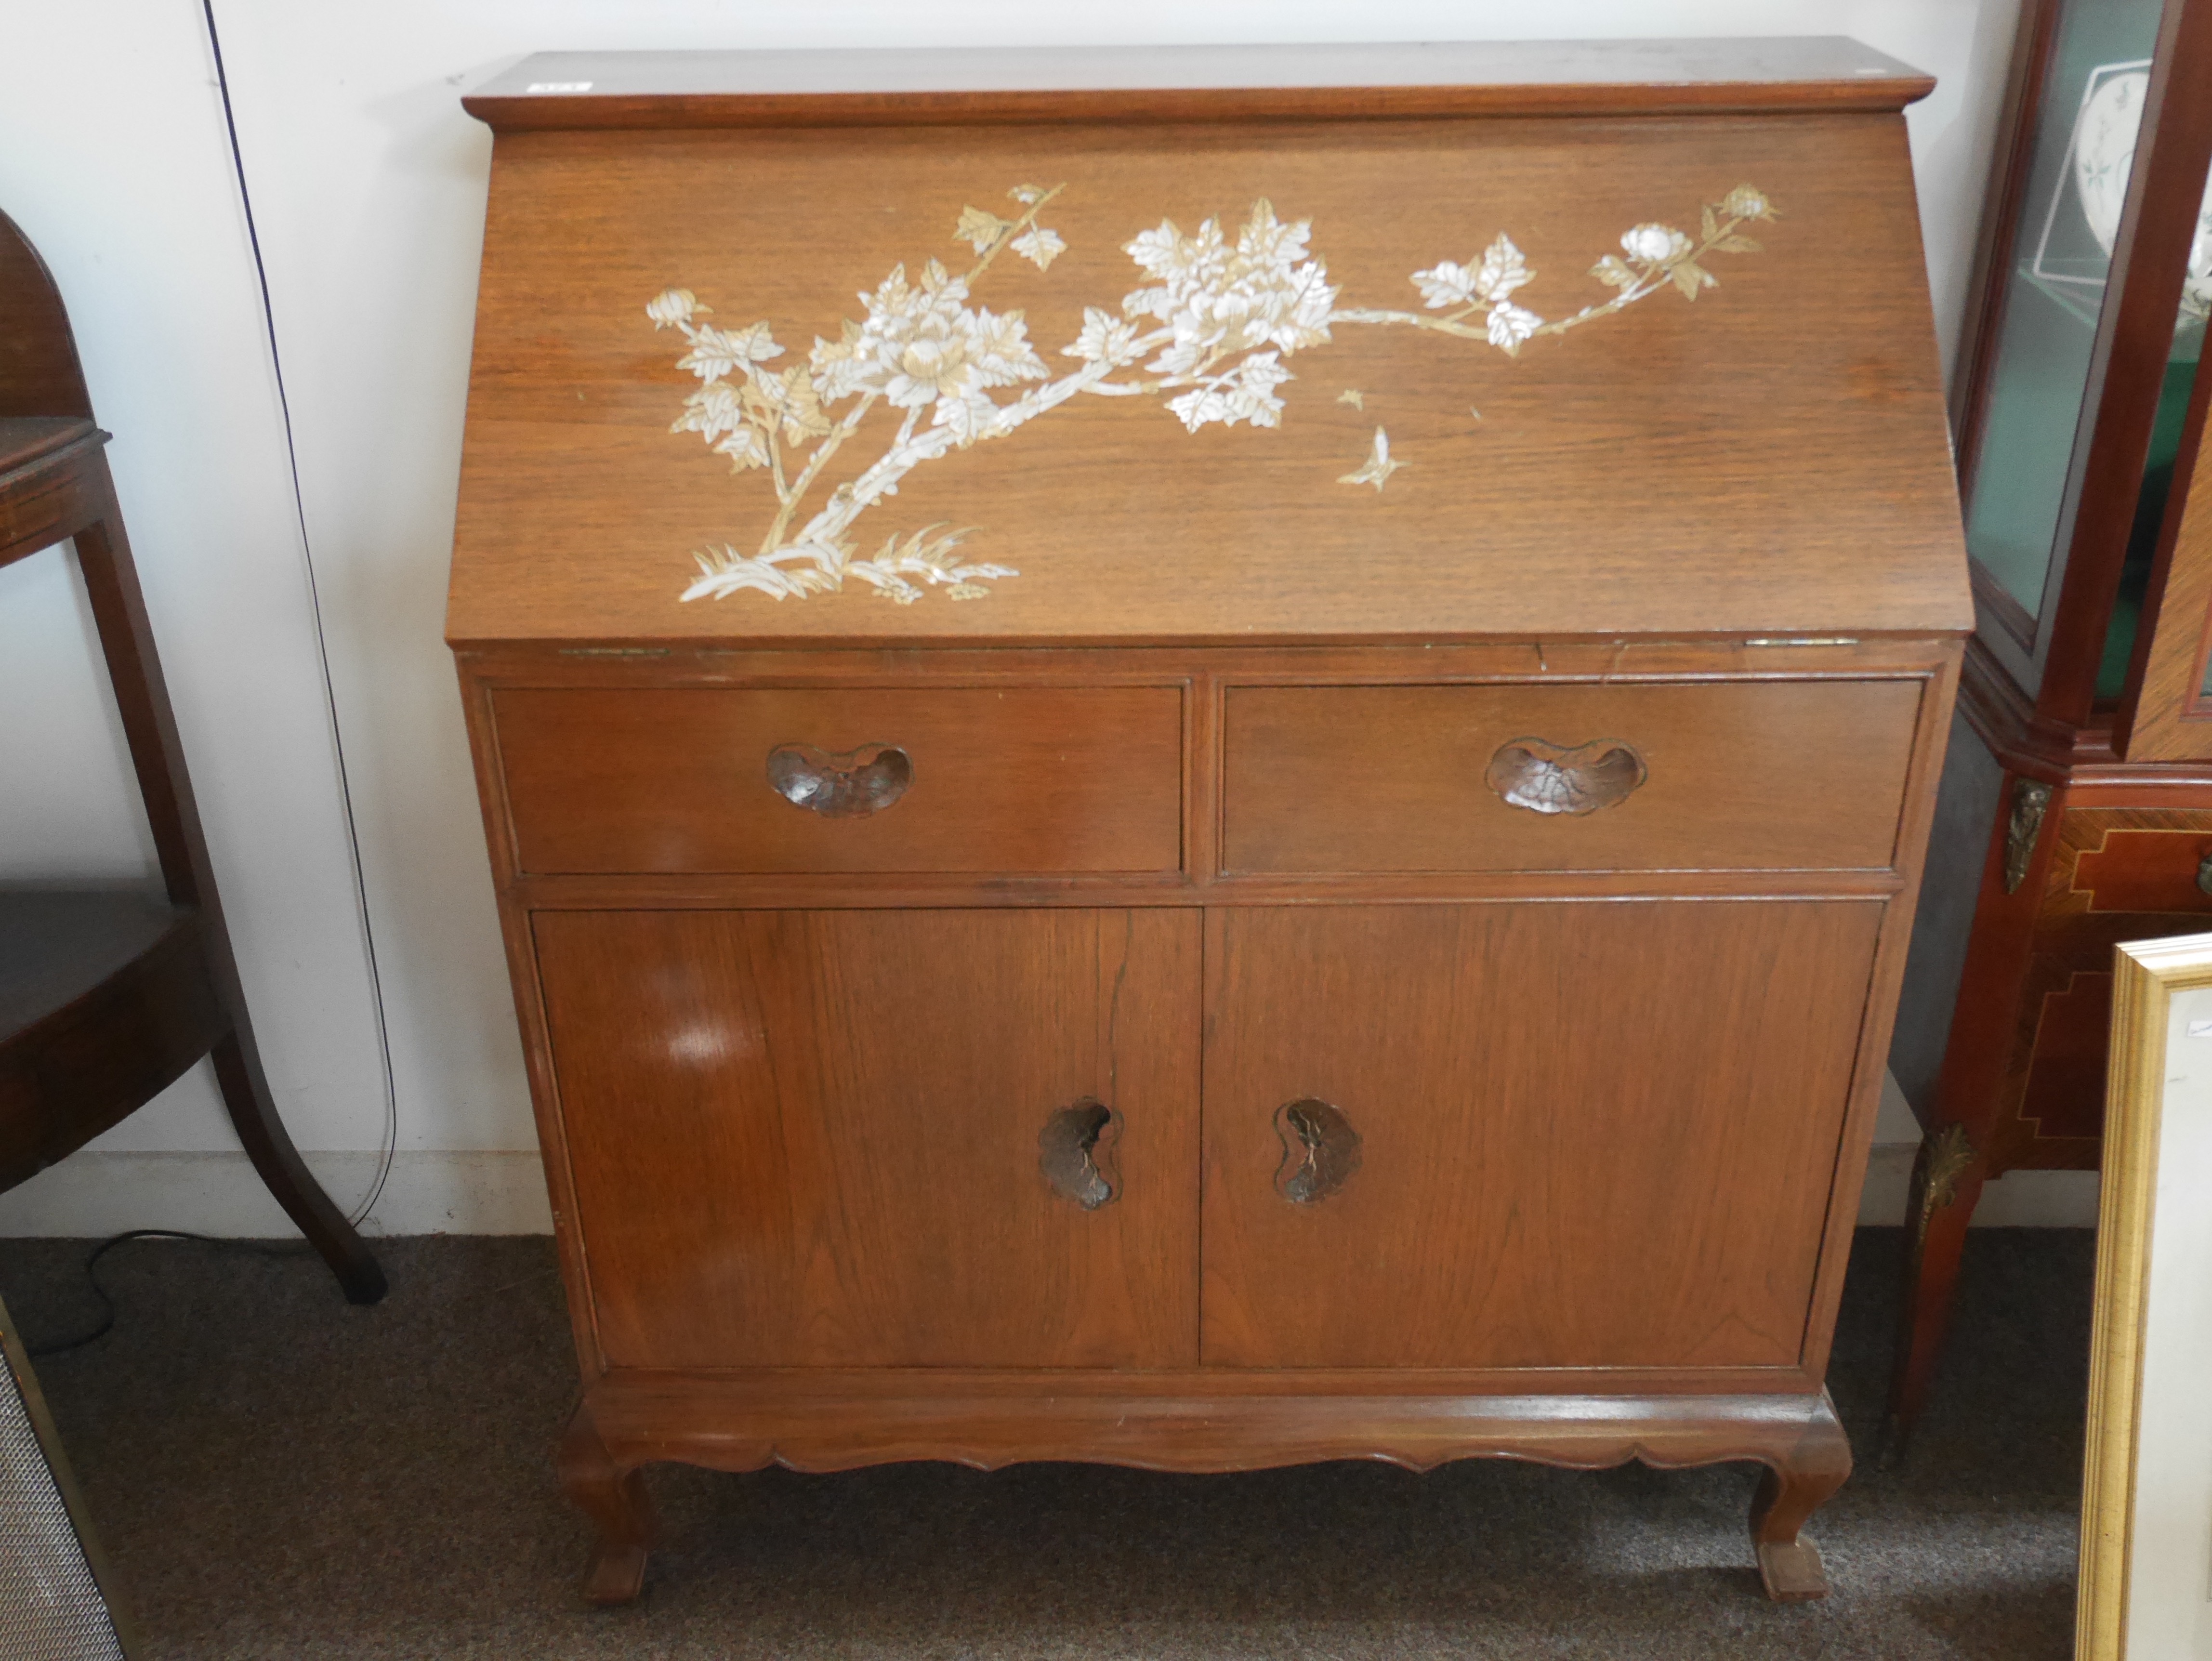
x=1748 y=774
x=847 y=780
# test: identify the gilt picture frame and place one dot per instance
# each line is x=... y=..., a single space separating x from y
x=2146 y=1566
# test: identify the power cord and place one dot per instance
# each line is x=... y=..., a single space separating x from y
x=391 y=1141
x=59 y=1346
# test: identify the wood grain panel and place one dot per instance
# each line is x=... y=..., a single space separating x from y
x=1758 y=775
x=1770 y=459
x=1565 y=1162
x=1058 y=779
x=810 y=1139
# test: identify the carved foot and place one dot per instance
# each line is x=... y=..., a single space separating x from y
x=1792 y=1574
x=617 y=1573
x=1790 y=1492
x=613 y=1497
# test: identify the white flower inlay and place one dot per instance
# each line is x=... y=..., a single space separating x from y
x=672 y=305
x=1213 y=329
x=1105 y=338
x=1219 y=300
x=1654 y=242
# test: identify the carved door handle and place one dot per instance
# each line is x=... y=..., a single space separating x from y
x=1551 y=778
x=1075 y=1151
x=1321 y=1150
x=850 y=786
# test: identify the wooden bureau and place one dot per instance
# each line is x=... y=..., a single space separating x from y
x=1262 y=808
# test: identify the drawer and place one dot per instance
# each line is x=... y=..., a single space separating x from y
x=1714 y=775
x=843 y=780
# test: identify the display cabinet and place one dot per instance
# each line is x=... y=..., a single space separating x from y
x=1206 y=758
x=2076 y=804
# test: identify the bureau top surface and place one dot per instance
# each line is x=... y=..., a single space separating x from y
x=1630 y=340
x=676 y=89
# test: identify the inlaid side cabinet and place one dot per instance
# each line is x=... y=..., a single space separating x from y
x=1206 y=758
x=2076 y=803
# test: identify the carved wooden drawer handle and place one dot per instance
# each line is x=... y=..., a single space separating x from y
x=1075 y=1151
x=860 y=781
x=1550 y=778
x=1321 y=1150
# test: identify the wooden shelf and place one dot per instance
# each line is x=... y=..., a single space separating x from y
x=27 y=439
x=57 y=946
x=107 y=995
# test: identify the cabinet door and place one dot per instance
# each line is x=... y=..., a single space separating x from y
x=1588 y=1134
x=813 y=1139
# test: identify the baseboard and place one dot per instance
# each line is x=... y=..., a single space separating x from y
x=96 y=1193
x=2022 y=1199
x=2025 y=1199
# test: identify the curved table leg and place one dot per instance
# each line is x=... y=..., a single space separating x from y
x=253 y=1115
x=614 y=1498
x=149 y=728
x=1790 y=1492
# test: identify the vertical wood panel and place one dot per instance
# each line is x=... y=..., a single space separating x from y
x=810 y=1139
x=1568 y=1161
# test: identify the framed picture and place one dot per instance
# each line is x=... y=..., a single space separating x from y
x=2146 y=1584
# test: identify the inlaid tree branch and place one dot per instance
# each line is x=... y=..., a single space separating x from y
x=1210 y=335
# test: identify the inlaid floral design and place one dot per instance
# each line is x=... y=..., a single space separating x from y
x=1209 y=333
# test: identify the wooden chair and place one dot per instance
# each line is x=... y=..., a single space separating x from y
x=106 y=997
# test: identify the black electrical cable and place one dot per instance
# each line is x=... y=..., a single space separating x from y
x=106 y=1322
x=59 y=1346
x=391 y=1141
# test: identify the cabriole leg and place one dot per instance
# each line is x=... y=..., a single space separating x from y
x=1790 y=1492
x=613 y=1497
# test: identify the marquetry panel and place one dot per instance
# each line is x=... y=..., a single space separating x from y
x=2114 y=874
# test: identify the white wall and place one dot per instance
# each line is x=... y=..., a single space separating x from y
x=114 y=162
x=367 y=182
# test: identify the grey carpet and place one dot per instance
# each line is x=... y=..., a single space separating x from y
x=277 y=1473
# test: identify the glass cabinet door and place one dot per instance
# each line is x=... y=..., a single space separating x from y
x=2165 y=707
x=2079 y=386
x=2035 y=391
x=2176 y=382
x=2169 y=713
